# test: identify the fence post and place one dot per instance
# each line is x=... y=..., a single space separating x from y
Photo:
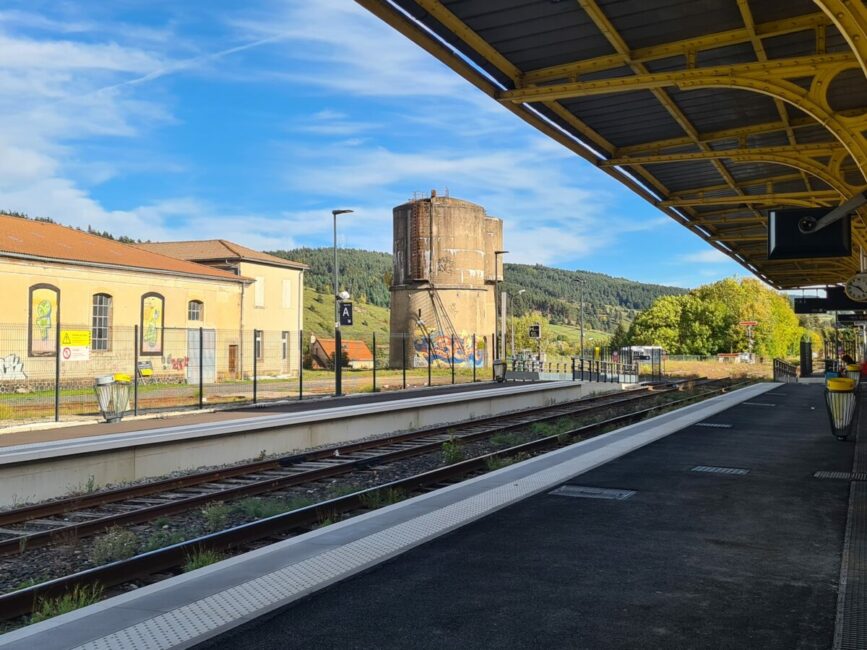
x=374 y=362
x=428 y=361
x=135 y=370
x=255 y=363
x=453 y=358
x=573 y=368
x=474 y=358
x=57 y=369
x=201 y=368
x=403 y=356
x=300 y=364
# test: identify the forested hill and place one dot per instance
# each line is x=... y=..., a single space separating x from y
x=608 y=301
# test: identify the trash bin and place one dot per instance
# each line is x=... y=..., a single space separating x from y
x=112 y=395
x=841 y=402
x=853 y=371
x=499 y=370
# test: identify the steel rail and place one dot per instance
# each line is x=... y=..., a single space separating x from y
x=22 y=602
x=340 y=460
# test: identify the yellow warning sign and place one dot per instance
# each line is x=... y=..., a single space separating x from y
x=75 y=338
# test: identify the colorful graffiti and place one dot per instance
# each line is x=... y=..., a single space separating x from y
x=43 y=310
x=175 y=363
x=441 y=350
x=152 y=325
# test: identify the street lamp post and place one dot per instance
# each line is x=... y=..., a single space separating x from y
x=581 y=283
x=513 y=323
x=338 y=343
x=499 y=341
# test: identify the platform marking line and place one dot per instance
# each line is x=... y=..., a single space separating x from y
x=711 y=469
x=713 y=425
x=758 y=404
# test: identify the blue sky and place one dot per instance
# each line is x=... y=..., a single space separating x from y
x=250 y=121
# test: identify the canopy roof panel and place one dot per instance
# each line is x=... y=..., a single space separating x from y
x=713 y=111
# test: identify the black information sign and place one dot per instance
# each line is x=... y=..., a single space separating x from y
x=535 y=331
x=346 y=313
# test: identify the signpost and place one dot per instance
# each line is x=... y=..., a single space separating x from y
x=535 y=331
x=75 y=345
x=749 y=324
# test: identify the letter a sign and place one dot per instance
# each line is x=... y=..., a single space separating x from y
x=346 y=313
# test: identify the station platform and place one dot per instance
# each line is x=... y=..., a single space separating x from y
x=703 y=527
x=51 y=432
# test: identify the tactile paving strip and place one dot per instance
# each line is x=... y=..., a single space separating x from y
x=587 y=492
x=850 y=630
x=842 y=476
x=710 y=469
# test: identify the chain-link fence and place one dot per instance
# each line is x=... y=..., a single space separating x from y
x=49 y=373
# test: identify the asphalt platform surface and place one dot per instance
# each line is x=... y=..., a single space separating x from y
x=694 y=559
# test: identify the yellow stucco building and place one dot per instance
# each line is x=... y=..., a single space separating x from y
x=101 y=305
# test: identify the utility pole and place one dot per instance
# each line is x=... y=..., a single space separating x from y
x=581 y=283
x=338 y=343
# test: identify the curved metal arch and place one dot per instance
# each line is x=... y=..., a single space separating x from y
x=850 y=18
x=793 y=94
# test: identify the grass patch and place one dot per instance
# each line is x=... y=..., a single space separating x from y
x=341 y=490
x=161 y=539
x=117 y=544
x=510 y=438
x=79 y=597
x=452 y=451
x=201 y=558
x=380 y=498
x=216 y=515
x=498 y=462
x=554 y=428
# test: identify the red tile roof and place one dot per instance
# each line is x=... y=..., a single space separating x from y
x=211 y=250
x=20 y=237
x=355 y=350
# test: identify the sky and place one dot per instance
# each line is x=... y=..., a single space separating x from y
x=168 y=120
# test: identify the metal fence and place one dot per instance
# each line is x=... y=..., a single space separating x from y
x=49 y=373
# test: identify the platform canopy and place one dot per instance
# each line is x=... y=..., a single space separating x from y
x=715 y=111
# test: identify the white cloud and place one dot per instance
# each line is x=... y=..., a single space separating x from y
x=709 y=256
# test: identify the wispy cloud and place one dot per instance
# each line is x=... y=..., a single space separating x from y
x=709 y=256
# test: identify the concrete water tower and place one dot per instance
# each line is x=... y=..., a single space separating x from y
x=443 y=281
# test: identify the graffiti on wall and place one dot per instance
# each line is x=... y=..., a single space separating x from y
x=43 y=320
x=175 y=363
x=441 y=350
x=152 y=324
x=11 y=367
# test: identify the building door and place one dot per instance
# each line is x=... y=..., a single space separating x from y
x=233 y=361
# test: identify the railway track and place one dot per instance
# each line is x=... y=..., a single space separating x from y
x=20 y=603
x=30 y=527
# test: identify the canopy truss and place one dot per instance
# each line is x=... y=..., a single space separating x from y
x=713 y=111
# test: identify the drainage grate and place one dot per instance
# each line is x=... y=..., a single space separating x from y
x=842 y=476
x=758 y=403
x=736 y=471
x=715 y=425
x=583 y=491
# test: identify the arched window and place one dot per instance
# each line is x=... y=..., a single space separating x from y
x=152 y=321
x=44 y=320
x=196 y=310
x=100 y=327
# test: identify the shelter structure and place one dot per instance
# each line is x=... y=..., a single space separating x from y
x=715 y=112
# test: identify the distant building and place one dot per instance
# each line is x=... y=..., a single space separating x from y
x=98 y=292
x=358 y=354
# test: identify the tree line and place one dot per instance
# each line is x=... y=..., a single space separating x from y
x=553 y=293
x=710 y=320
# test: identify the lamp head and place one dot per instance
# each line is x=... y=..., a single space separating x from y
x=343 y=295
x=336 y=212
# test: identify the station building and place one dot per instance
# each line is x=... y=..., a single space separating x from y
x=55 y=276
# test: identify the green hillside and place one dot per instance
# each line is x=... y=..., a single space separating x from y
x=608 y=301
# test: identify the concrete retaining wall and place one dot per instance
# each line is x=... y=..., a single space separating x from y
x=30 y=473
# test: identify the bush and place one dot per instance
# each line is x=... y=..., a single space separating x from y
x=117 y=544
x=452 y=451
x=216 y=515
